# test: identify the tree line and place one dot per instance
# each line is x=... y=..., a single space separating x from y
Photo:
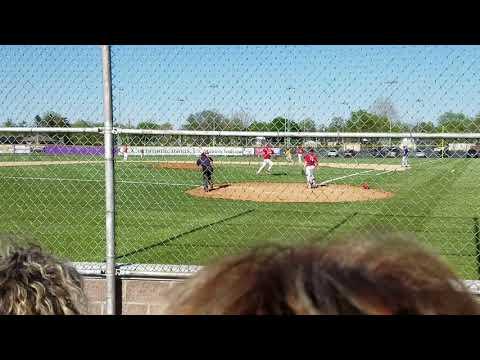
x=358 y=121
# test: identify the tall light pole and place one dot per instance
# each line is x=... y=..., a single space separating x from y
x=119 y=98
x=214 y=86
x=392 y=82
x=290 y=88
x=179 y=140
x=347 y=104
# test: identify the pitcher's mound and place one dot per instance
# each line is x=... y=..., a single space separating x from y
x=291 y=192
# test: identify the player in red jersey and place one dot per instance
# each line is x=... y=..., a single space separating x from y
x=267 y=153
x=311 y=162
x=300 y=153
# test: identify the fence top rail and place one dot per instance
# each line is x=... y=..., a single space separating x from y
x=244 y=133
x=50 y=130
x=298 y=134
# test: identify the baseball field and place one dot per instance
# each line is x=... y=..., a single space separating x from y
x=162 y=217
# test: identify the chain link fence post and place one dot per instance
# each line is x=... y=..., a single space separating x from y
x=109 y=181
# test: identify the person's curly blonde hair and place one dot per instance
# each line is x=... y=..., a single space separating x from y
x=33 y=282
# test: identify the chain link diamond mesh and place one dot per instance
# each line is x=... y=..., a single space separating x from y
x=232 y=100
x=52 y=183
x=358 y=107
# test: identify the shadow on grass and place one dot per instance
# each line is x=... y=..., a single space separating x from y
x=176 y=237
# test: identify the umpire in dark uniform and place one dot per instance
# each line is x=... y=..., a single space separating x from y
x=205 y=163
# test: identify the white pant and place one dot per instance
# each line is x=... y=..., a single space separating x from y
x=310 y=173
x=299 y=158
x=405 y=161
x=125 y=155
x=265 y=163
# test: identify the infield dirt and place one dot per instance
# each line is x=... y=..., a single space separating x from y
x=291 y=193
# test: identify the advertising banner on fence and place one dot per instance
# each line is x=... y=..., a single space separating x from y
x=187 y=150
x=75 y=150
x=15 y=149
x=276 y=151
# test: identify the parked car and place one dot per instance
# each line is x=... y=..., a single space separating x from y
x=350 y=153
x=378 y=153
x=420 y=154
x=472 y=153
x=332 y=153
x=442 y=151
x=393 y=152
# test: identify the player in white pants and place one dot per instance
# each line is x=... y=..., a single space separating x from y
x=267 y=153
x=311 y=162
x=125 y=153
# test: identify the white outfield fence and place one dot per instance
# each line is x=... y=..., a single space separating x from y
x=64 y=130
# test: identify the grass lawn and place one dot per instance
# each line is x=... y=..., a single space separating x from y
x=62 y=207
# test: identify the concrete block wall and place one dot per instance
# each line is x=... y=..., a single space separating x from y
x=145 y=296
x=134 y=296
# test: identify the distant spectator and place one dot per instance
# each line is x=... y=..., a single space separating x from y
x=35 y=283
x=288 y=154
x=344 y=277
x=300 y=152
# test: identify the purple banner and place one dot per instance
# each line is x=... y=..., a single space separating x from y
x=75 y=150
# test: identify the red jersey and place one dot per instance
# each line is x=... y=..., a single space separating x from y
x=267 y=153
x=311 y=160
x=300 y=151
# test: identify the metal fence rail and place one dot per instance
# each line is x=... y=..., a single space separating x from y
x=98 y=159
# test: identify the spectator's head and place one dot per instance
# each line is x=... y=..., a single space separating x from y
x=35 y=283
x=344 y=277
x=311 y=151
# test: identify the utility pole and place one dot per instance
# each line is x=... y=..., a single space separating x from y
x=287 y=140
x=392 y=82
x=214 y=86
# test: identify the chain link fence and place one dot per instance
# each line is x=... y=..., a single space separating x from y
x=360 y=108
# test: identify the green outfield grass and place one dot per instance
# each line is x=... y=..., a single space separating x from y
x=62 y=207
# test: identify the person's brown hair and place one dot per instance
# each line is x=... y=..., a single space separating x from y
x=33 y=282
x=393 y=276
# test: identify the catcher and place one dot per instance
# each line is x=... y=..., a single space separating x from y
x=205 y=163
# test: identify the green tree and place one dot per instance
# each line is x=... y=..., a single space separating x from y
x=165 y=126
x=307 y=125
x=37 y=121
x=424 y=127
x=336 y=124
x=282 y=124
x=362 y=120
x=398 y=126
x=8 y=123
x=51 y=119
x=476 y=123
x=455 y=122
x=148 y=125
x=206 y=120
x=258 y=126
x=81 y=124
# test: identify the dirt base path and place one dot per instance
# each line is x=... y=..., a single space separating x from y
x=190 y=165
x=291 y=193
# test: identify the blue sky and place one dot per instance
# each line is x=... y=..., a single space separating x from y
x=167 y=83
